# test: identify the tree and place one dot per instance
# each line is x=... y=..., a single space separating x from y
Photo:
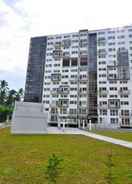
x=3 y=91
x=4 y=112
x=19 y=94
x=11 y=98
x=7 y=100
x=53 y=169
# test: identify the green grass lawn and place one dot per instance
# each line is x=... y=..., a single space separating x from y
x=23 y=159
x=124 y=135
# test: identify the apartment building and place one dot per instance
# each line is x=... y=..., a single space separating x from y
x=69 y=77
x=114 y=76
x=82 y=76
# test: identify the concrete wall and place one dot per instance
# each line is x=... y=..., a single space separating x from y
x=29 y=118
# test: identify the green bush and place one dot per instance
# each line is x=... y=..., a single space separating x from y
x=4 y=112
x=53 y=169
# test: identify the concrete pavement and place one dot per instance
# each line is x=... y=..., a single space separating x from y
x=55 y=130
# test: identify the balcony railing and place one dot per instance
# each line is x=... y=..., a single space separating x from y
x=125 y=92
x=103 y=106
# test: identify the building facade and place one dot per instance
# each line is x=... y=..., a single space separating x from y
x=86 y=75
x=114 y=76
x=35 y=70
x=70 y=73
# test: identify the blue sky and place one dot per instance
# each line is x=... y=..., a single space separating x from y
x=22 y=19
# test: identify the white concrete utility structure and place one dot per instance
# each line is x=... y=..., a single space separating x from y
x=29 y=118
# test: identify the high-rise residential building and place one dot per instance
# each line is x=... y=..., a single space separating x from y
x=82 y=76
x=114 y=76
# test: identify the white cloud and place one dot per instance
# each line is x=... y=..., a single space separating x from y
x=21 y=19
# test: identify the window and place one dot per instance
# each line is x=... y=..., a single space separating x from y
x=73 y=102
x=57 y=54
x=66 y=43
x=113 y=96
x=66 y=62
x=124 y=103
x=53 y=118
x=66 y=54
x=72 y=111
x=102 y=75
x=125 y=121
x=73 y=82
x=103 y=112
x=125 y=112
x=101 y=53
x=73 y=89
x=83 y=60
x=114 y=103
x=111 y=49
x=82 y=111
x=55 y=76
x=113 y=82
x=74 y=61
x=73 y=96
x=102 y=82
x=110 y=32
x=73 y=76
x=102 y=69
x=111 y=37
x=113 y=88
x=74 y=52
x=83 y=42
x=63 y=111
x=83 y=89
x=102 y=62
x=63 y=102
x=75 y=35
x=101 y=103
x=121 y=36
x=82 y=102
x=114 y=112
x=101 y=41
x=111 y=43
x=114 y=120
x=73 y=70
x=64 y=76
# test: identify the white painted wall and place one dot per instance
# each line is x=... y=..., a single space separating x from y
x=29 y=118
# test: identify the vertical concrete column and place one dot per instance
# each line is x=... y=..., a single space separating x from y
x=83 y=124
x=90 y=125
x=59 y=124
x=79 y=126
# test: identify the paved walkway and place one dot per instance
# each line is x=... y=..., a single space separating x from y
x=89 y=134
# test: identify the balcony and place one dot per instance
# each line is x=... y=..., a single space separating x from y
x=124 y=92
x=63 y=103
x=126 y=122
x=57 y=54
x=113 y=103
x=56 y=77
x=64 y=89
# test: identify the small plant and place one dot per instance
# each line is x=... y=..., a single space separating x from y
x=109 y=164
x=53 y=169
